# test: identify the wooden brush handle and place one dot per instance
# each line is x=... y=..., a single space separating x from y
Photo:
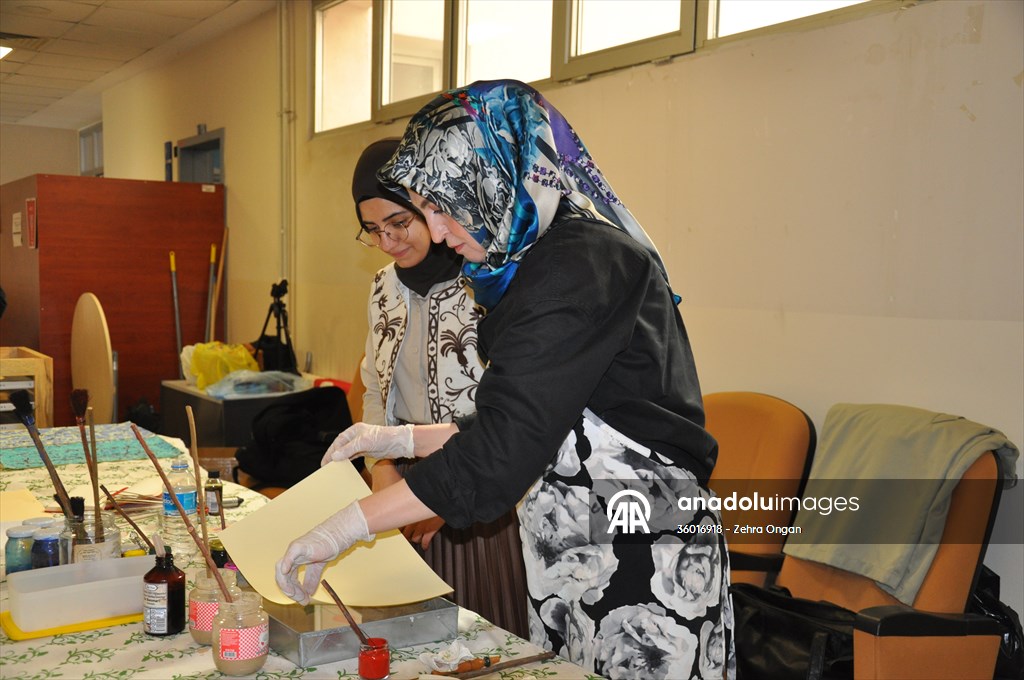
x=58 y=486
x=512 y=663
x=346 y=612
x=203 y=550
x=124 y=515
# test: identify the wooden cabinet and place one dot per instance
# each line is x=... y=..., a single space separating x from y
x=111 y=237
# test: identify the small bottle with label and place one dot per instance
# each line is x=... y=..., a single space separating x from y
x=163 y=597
x=214 y=489
x=204 y=602
x=241 y=636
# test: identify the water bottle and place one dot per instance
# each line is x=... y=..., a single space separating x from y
x=173 y=530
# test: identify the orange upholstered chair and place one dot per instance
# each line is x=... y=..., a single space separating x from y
x=765 y=444
x=932 y=638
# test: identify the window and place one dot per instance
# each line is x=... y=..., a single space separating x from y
x=378 y=60
x=414 y=49
x=491 y=30
x=90 y=150
x=736 y=16
x=344 y=40
x=602 y=24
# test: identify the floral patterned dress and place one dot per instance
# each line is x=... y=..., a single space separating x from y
x=674 y=623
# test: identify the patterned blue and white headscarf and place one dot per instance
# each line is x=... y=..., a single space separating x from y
x=498 y=158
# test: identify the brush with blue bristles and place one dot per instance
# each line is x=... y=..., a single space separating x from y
x=23 y=408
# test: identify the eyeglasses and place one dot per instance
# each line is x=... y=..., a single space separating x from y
x=396 y=231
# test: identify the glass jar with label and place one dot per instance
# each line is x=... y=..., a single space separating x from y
x=81 y=542
x=204 y=602
x=18 y=551
x=241 y=636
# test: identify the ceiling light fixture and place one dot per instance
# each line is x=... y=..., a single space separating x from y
x=4 y=51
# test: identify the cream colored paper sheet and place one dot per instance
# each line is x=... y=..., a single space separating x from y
x=386 y=572
x=19 y=505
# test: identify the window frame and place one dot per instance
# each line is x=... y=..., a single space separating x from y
x=566 y=67
x=693 y=36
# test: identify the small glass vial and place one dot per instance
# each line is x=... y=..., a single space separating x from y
x=218 y=553
x=80 y=542
x=204 y=602
x=241 y=636
x=214 y=490
x=163 y=597
x=18 y=551
x=46 y=548
x=374 y=659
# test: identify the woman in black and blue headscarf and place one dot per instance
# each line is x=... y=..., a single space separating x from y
x=589 y=415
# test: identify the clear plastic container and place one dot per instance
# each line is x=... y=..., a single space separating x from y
x=173 y=529
x=80 y=542
x=18 y=551
x=75 y=593
x=204 y=603
x=241 y=636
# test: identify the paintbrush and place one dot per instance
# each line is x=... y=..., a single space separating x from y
x=23 y=409
x=204 y=550
x=80 y=405
x=118 y=510
x=200 y=491
x=495 y=668
x=345 y=611
x=77 y=505
x=94 y=471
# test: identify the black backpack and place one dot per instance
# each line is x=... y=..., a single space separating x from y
x=290 y=437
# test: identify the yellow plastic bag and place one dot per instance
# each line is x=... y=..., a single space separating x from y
x=211 y=361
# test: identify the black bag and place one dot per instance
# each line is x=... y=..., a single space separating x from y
x=985 y=601
x=290 y=436
x=779 y=637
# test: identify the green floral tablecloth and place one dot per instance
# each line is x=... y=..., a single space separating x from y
x=64 y=446
x=124 y=652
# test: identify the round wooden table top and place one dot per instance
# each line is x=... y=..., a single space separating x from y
x=92 y=360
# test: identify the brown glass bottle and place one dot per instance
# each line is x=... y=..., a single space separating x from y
x=163 y=597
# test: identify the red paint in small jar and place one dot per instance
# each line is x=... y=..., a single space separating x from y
x=374 y=659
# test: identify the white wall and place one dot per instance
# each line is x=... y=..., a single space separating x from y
x=28 y=150
x=231 y=83
x=840 y=208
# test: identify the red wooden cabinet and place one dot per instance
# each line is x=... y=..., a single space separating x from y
x=111 y=237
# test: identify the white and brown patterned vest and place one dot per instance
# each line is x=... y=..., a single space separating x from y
x=453 y=366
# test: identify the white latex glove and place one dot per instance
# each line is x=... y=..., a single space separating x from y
x=316 y=548
x=378 y=441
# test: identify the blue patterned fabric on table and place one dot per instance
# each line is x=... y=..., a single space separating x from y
x=64 y=446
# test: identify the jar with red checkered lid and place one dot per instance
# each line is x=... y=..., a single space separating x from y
x=204 y=602
x=241 y=635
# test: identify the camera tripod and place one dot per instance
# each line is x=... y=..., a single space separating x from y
x=278 y=355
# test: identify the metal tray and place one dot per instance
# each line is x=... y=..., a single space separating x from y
x=318 y=634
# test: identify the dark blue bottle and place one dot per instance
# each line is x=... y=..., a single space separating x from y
x=46 y=548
